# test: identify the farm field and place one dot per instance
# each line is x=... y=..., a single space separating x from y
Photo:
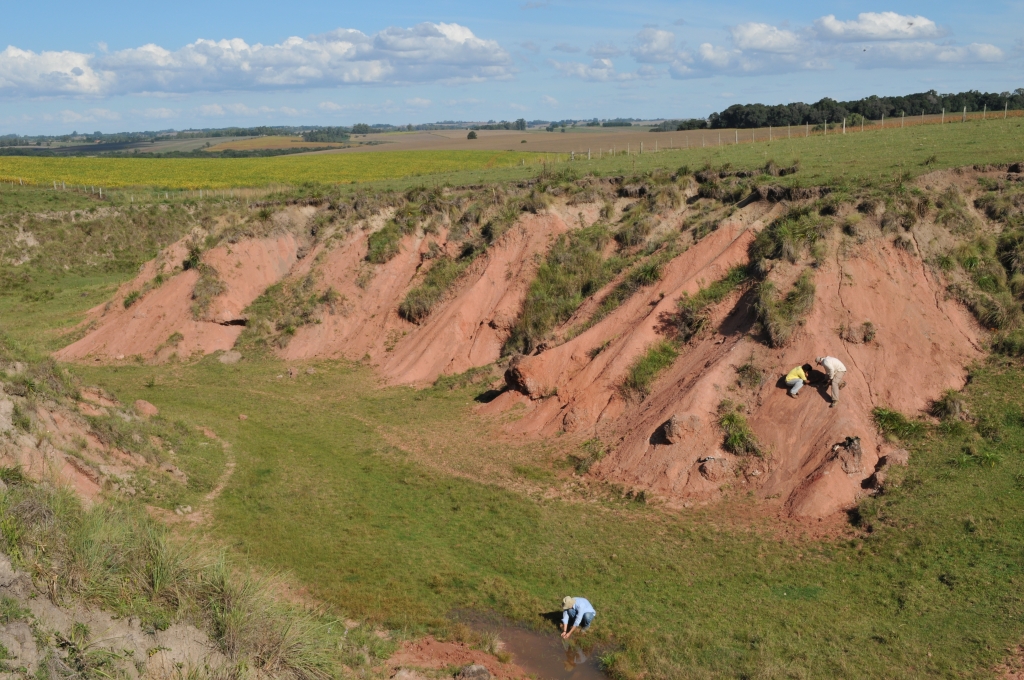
x=270 y=142
x=869 y=157
x=224 y=173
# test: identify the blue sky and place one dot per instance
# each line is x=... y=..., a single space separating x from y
x=108 y=65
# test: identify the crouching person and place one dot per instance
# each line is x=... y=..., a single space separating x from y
x=579 y=611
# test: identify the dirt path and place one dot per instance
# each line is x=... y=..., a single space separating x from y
x=203 y=514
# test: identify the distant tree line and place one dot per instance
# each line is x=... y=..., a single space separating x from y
x=684 y=124
x=871 y=108
x=503 y=125
x=326 y=134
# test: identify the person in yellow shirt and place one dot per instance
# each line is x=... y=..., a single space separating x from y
x=796 y=378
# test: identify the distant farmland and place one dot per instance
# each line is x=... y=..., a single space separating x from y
x=218 y=173
x=272 y=142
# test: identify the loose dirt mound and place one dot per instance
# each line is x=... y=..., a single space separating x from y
x=466 y=331
x=161 y=322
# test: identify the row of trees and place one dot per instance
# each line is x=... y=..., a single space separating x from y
x=503 y=125
x=872 y=108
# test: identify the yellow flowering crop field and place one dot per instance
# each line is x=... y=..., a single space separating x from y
x=227 y=173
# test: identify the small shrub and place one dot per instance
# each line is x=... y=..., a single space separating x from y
x=207 y=287
x=20 y=419
x=471 y=135
x=131 y=298
x=950 y=406
x=750 y=375
x=592 y=450
x=1010 y=344
x=645 y=369
x=739 y=438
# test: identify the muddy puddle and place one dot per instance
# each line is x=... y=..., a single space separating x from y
x=546 y=656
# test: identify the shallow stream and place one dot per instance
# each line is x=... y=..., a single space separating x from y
x=546 y=656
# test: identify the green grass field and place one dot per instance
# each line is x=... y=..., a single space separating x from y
x=375 y=499
x=220 y=173
x=326 y=491
x=856 y=157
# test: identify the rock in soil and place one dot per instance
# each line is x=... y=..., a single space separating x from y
x=474 y=672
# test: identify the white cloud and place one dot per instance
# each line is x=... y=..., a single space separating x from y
x=159 y=113
x=427 y=52
x=599 y=70
x=877 y=26
x=604 y=50
x=926 y=54
x=764 y=38
x=89 y=115
x=873 y=40
x=548 y=100
x=565 y=47
x=211 y=110
x=330 y=106
x=654 y=46
x=719 y=57
x=418 y=102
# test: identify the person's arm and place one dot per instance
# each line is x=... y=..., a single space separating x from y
x=565 y=621
x=575 y=624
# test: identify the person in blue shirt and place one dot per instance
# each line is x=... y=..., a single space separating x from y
x=580 y=611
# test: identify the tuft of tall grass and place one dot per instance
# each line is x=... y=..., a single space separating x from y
x=645 y=369
x=693 y=315
x=790 y=235
x=574 y=269
x=780 y=316
x=384 y=244
x=949 y=406
x=953 y=213
x=207 y=287
x=115 y=556
x=896 y=424
x=276 y=315
x=739 y=438
x=422 y=299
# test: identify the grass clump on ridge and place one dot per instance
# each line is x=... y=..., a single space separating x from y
x=646 y=368
x=693 y=315
x=789 y=236
x=276 y=315
x=739 y=438
x=574 y=269
x=419 y=301
x=896 y=424
x=779 y=316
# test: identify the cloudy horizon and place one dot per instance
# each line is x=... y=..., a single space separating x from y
x=546 y=60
